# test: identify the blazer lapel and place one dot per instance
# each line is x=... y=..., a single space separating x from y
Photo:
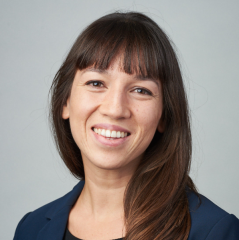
x=55 y=228
x=58 y=215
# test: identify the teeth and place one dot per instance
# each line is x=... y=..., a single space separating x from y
x=118 y=135
x=113 y=134
x=107 y=133
x=110 y=134
x=102 y=132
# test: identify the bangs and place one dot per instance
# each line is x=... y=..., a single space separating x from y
x=135 y=43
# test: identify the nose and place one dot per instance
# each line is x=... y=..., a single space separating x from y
x=115 y=104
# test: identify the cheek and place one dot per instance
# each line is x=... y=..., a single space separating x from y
x=82 y=105
x=81 y=108
x=148 y=116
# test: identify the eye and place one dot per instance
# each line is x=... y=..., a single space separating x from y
x=95 y=84
x=143 y=91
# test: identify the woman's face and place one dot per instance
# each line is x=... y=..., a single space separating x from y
x=113 y=116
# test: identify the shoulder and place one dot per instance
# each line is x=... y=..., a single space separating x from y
x=210 y=222
x=33 y=222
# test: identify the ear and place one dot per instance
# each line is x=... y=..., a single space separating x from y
x=161 y=126
x=66 y=110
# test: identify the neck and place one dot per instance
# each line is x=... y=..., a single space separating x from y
x=101 y=202
x=103 y=193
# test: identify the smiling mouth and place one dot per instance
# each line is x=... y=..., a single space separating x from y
x=109 y=134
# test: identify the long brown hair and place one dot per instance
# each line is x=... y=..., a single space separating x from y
x=155 y=202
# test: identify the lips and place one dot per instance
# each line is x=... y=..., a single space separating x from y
x=111 y=135
x=110 y=127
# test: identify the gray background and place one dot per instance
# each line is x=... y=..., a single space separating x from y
x=35 y=38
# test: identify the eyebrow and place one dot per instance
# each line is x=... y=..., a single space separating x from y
x=137 y=77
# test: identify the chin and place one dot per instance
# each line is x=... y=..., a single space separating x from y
x=109 y=165
x=110 y=161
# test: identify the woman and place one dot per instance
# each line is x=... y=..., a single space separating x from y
x=120 y=121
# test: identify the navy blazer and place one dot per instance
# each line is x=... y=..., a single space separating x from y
x=208 y=221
